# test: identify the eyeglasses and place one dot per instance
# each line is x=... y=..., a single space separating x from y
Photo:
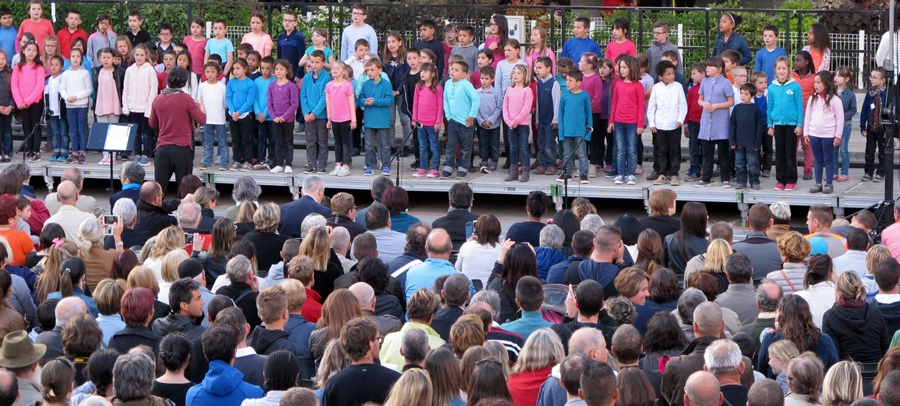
x=358 y=13
x=739 y=76
x=659 y=33
x=875 y=78
x=288 y=20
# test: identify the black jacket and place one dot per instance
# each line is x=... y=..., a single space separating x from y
x=175 y=323
x=266 y=342
x=245 y=298
x=6 y=98
x=859 y=333
x=153 y=219
x=604 y=323
x=208 y=219
x=352 y=227
x=890 y=312
x=663 y=225
x=53 y=340
x=133 y=194
x=268 y=249
x=444 y=318
x=455 y=224
x=130 y=238
x=674 y=258
x=387 y=304
x=118 y=76
x=130 y=337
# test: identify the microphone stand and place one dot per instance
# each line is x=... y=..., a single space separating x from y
x=26 y=141
x=398 y=156
x=565 y=174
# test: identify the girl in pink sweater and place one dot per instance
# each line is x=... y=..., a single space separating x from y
x=620 y=45
x=823 y=127
x=627 y=117
x=428 y=110
x=27 y=87
x=517 y=104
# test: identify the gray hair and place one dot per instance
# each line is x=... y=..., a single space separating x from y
x=133 y=376
x=491 y=297
x=552 y=236
x=90 y=233
x=340 y=239
x=134 y=172
x=312 y=220
x=766 y=303
x=312 y=184
x=592 y=223
x=414 y=345
x=188 y=215
x=126 y=209
x=74 y=174
x=238 y=268
x=780 y=211
x=723 y=357
x=379 y=184
x=689 y=300
x=245 y=189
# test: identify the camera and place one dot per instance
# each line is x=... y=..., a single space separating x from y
x=188 y=239
x=109 y=222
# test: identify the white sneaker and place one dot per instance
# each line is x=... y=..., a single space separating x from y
x=277 y=169
x=345 y=171
x=630 y=181
x=336 y=171
x=618 y=180
x=288 y=169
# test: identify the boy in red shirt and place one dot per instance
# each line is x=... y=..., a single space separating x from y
x=71 y=31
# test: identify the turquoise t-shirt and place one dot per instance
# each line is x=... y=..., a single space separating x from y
x=326 y=50
x=220 y=47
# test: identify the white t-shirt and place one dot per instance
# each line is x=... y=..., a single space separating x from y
x=213 y=99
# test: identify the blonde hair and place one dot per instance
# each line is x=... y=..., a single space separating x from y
x=169 y=239
x=526 y=79
x=628 y=282
x=267 y=217
x=48 y=281
x=348 y=73
x=843 y=383
x=317 y=246
x=142 y=277
x=333 y=360
x=785 y=350
x=412 y=389
x=850 y=288
x=543 y=348
x=245 y=212
x=499 y=352
x=170 y=264
x=716 y=253
x=108 y=296
x=295 y=292
x=793 y=247
x=90 y=233
x=874 y=255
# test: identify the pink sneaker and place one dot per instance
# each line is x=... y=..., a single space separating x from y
x=790 y=187
x=419 y=173
x=433 y=174
x=779 y=186
x=843 y=178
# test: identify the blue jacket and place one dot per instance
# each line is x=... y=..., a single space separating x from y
x=866 y=111
x=737 y=43
x=378 y=115
x=300 y=329
x=91 y=307
x=765 y=61
x=312 y=94
x=293 y=213
x=785 y=104
x=575 y=115
x=574 y=47
x=240 y=95
x=223 y=385
x=262 y=91
x=547 y=257
x=527 y=324
x=557 y=273
x=603 y=272
x=291 y=47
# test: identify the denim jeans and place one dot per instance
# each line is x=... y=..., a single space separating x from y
x=6 y=144
x=746 y=161
x=518 y=147
x=265 y=147
x=844 y=151
x=59 y=135
x=213 y=133
x=547 y=137
x=626 y=148
x=428 y=141
x=574 y=144
x=823 y=153
x=378 y=144
x=459 y=134
x=489 y=144
x=696 y=153
x=77 y=120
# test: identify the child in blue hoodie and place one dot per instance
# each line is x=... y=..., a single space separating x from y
x=312 y=103
x=265 y=126
x=240 y=95
x=376 y=96
x=784 y=119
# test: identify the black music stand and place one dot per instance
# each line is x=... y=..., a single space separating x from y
x=112 y=138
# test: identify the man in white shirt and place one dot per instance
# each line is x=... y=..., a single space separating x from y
x=68 y=216
x=86 y=204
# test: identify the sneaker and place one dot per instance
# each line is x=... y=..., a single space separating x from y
x=461 y=174
x=691 y=178
x=551 y=171
x=618 y=180
x=309 y=169
x=203 y=166
x=414 y=167
x=484 y=169
x=235 y=166
x=816 y=189
x=726 y=185
x=842 y=178
x=765 y=173
x=492 y=168
x=145 y=161
x=674 y=181
x=246 y=167
x=592 y=171
x=584 y=179
x=878 y=178
x=260 y=166
x=385 y=171
x=534 y=165
x=607 y=169
x=654 y=176
x=630 y=180
x=807 y=176
x=538 y=170
x=828 y=189
x=702 y=183
x=320 y=170
x=70 y=158
x=866 y=178
x=288 y=169
x=277 y=169
x=639 y=170
x=660 y=180
x=345 y=171
x=755 y=186
x=223 y=166
x=790 y=187
x=335 y=171
x=563 y=177
x=779 y=186
x=82 y=158
x=420 y=173
x=740 y=186
x=434 y=174
x=35 y=157
x=445 y=174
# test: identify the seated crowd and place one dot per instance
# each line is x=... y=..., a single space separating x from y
x=319 y=302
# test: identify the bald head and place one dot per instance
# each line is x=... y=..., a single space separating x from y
x=702 y=389
x=364 y=294
x=768 y=295
x=590 y=342
x=438 y=244
x=68 y=308
x=67 y=193
x=708 y=321
x=9 y=388
x=150 y=192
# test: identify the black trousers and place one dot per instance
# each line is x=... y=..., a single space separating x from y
x=765 y=153
x=874 y=140
x=785 y=154
x=709 y=147
x=31 y=120
x=242 y=144
x=171 y=159
x=667 y=145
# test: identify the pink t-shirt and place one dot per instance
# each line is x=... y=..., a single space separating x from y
x=42 y=29
x=340 y=110
x=197 y=49
x=261 y=43
x=532 y=56
x=614 y=49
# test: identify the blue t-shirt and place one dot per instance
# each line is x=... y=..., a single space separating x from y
x=220 y=47
x=8 y=40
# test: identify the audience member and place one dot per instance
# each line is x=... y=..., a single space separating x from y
x=768 y=298
x=759 y=248
x=22 y=358
x=598 y=385
x=662 y=212
x=765 y=392
x=132 y=177
x=582 y=248
x=369 y=380
x=68 y=216
x=723 y=359
x=740 y=296
x=602 y=266
x=293 y=213
x=455 y=294
x=458 y=215
x=438 y=247
x=65 y=310
x=856 y=327
x=343 y=209
x=85 y=203
x=421 y=308
x=794 y=250
x=702 y=389
x=387 y=323
x=223 y=383
x=806 y=375
x=529 y=298
x=389 y=242
x=781 y=221
x=586 y=311
x=272 y=305
x=818 y=220
x=529 y=231
x=818 y=286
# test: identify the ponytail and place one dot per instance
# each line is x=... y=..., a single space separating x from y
x=70 y=275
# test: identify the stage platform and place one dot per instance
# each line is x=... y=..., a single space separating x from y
x=848 y=196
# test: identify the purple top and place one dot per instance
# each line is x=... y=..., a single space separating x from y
x=714 y=126
x=283 y=100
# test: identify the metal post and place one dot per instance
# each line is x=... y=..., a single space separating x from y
x=787 y=30
x=707 y=30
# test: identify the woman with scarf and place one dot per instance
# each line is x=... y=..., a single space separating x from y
x=171 y=114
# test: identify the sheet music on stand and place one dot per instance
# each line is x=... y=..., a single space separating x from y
x=117 y=137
